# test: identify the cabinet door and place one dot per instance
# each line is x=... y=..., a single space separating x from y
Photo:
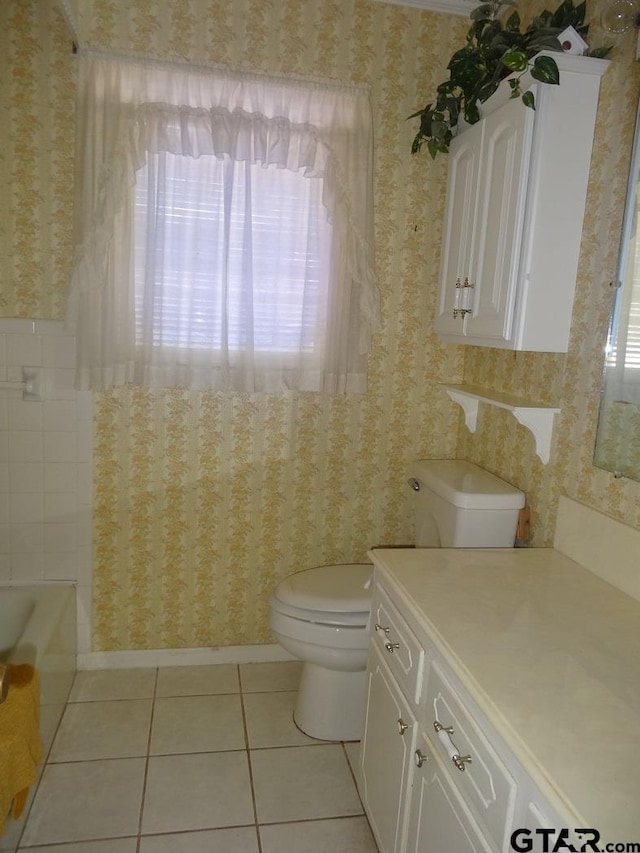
x=502 y=191
x=386 y=756
x=440 y=821
x=457 y=248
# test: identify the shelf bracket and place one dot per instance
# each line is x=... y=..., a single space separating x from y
x=538 y=418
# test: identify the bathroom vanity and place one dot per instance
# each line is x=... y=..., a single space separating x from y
x=503 y=697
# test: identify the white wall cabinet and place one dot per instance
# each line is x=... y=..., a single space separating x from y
x=516 y=198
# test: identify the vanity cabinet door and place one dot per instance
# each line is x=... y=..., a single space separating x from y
x=386 y=758
x=440 y=821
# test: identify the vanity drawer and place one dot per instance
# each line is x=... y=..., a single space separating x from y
x=398 y=645
x=485 y=783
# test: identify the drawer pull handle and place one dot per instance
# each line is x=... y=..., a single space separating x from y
x=444 y=736
x=420 y=758
x=380 y=628
x=390 y=647
x=461 y=760
x=402 y=726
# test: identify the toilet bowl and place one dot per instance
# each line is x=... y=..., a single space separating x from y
x=321 y=616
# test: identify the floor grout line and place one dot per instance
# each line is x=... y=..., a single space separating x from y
x=248 y=751
x=138 y=835
x=146 y=763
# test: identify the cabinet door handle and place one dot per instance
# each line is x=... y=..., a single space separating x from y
x=420 y=757
x=444 y=736
x=460 y=761
x=379 y=627
x=391 y=647
x=402 y=726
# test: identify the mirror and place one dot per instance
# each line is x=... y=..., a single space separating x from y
x=618 y=437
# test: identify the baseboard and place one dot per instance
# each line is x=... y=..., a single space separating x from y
x=133 y=659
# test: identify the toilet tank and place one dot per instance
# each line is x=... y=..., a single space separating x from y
x=460 y=505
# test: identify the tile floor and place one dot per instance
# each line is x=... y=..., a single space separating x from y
x=199 y=759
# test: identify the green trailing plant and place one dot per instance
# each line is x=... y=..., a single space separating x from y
x=496 y=48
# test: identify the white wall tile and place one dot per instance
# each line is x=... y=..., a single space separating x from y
x=24 y=415
x=60 y=538
x=13 y=326
x=85 y=442
x=50 y=327
x=23 y=350
x=84 y=405
x=60 y=383
x=59 y=351
x=27 y=538
x=59 y=446
x=27 y=567
x=60 y=507
x=60 y=566
x=5 y=569
x=84 y=487
x=84 y=523
x=25 y=446
x=60 y=476
x=45 y=464
x=26 y=477
x=59 y=416
x=26 y=509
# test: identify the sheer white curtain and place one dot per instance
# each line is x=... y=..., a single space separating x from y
x=223 y=229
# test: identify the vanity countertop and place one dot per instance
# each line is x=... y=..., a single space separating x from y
x=551 y=654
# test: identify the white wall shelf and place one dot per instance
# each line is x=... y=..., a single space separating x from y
x=536 y=417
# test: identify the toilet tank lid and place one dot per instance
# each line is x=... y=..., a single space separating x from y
x=466 y=485
x=335 y=589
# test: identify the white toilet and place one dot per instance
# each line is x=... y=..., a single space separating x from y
x=321 y=615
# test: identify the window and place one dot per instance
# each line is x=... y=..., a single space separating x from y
x=223 y=230
x=243 y=258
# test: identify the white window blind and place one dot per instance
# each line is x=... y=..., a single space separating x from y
x=623 y=352
x=223 y=230
x=217 y=226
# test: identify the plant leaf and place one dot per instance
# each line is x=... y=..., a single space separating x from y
x=482 y=12
x=528 y=99
x=515 y=60
x=513 y=22
x=545 y=69
x=600 y=52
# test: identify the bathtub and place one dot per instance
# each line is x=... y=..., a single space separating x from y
x=38 y=626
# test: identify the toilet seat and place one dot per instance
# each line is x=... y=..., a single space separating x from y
x=327 y=595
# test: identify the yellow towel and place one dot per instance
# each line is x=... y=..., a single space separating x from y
x=20 y=744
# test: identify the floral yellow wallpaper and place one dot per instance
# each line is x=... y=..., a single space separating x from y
x=36 y=159
x=203 y=501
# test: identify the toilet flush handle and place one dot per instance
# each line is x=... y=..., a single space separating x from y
x=415 y=484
